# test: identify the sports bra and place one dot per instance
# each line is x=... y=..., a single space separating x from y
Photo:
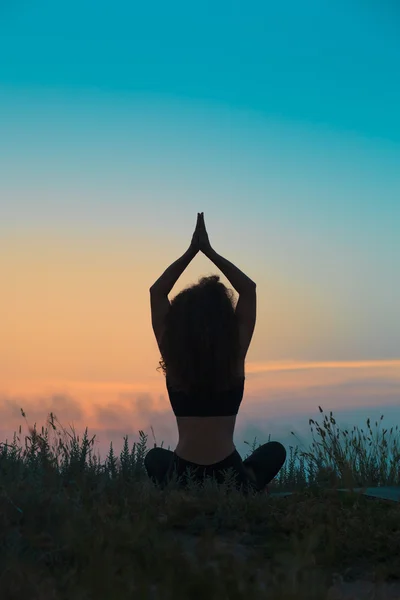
x=224 y=403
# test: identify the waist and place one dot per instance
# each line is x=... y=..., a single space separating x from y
x=205 y=440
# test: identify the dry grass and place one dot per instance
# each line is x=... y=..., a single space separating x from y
x=71 y=527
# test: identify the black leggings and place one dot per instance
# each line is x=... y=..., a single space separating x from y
x=266 y=463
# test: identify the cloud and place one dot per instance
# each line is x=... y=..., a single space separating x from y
x=127 y=407
x=351 y=392
x=37 y=408
x=118 y=419
x=116 y=412
x=289 y=365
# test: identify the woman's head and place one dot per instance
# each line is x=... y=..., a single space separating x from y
x=200 y=346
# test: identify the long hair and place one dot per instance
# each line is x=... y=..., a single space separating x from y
x=200 y=345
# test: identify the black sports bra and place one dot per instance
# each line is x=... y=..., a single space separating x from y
x=215 y=404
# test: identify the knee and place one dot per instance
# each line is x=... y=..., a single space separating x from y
x=279 y=450
x=152 y=455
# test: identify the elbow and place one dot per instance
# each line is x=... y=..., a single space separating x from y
x=251 y=285
x=157 y=289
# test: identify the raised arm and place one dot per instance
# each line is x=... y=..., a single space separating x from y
x=167 y=280
x=236 y=277
x=246 y=307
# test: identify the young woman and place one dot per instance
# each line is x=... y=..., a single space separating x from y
x=203 y=340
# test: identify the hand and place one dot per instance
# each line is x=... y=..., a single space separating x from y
x=203 y=241
x=194 y=244
x=200 y=239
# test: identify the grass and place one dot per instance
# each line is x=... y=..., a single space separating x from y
x=71 y=527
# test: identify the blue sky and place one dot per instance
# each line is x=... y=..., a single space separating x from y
x=280 y=121
x=328 y=63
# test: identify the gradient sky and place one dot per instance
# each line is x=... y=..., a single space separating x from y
x=118 y=124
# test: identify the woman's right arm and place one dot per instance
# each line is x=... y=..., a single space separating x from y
x=237 y=278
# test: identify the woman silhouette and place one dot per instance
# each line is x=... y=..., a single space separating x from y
x=203 y=340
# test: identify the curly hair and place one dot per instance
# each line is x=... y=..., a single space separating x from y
x=200 y=345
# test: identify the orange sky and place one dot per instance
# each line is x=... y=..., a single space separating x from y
x=78 y=340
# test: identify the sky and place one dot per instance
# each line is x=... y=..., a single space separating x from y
x=118 y=124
